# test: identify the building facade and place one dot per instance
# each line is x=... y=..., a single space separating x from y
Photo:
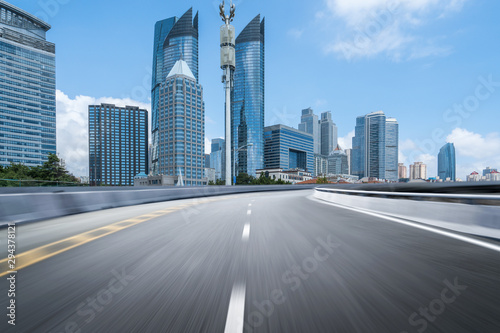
x=375 y=147
x=118 y=144
x=338 y=162
x=27 y=88
x=309 y=123
x=287 y=148
x=328 y=133
x=174 y=38
x=418 y=170
x=447 y=162
x=320 y=165
x=487 y=171
x=181 y=148
x=218 y=158
x=291 y=176
x=247 y=108
x=402 y=171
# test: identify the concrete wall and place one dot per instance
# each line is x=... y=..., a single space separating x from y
x=478 y=220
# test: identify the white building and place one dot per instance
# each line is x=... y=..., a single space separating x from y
x=292 y=176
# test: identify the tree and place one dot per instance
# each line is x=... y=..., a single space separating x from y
x=322 y=180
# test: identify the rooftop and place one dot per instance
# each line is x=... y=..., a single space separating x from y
x=181 y=68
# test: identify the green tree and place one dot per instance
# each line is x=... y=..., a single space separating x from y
x=322 y=180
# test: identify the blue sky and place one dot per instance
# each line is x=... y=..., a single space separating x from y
x=413 y=59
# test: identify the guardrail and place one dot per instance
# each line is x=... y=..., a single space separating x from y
x=467 y=213
x=40 y=204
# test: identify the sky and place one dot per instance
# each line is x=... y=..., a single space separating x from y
x=432 y=64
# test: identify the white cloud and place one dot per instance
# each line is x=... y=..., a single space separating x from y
x=389 y=27
x=295 y=33
x=72 y=128
x=345 y=142
x=475 y=145
x=208 y=146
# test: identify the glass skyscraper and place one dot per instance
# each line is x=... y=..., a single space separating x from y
x=375 y=147
x=27 y=88
x=182 y=126
x=287 y=148
x=447 y=162
x=218 y=158
x=328 y=133
x=309 y=123
x=174 y=39
x=248 y=98
x=118 y=144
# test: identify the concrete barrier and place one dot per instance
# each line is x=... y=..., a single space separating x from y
x=470 y=218
x=45 y=203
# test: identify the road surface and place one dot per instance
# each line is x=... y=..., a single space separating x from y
x=262 y=262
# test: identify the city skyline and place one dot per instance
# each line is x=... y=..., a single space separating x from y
x=430 y=73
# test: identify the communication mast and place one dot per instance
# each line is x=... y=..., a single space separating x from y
x=228 y=64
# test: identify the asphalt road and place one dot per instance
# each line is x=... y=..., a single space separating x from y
x=261 y=262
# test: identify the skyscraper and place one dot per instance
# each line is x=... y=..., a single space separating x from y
x=402 y=171
x=27 y=88
x=181 y=148
x=174 y=39
x=287 y=148
x=375 y=147
x=218 y=158
x=310 y=124
x=338 y=163
x=447 y=162
x=118 y=144
x=328 y=133
x=248 y=98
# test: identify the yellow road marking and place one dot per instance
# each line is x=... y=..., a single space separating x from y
x=43 y=252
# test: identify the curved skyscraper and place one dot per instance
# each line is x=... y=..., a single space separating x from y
x=175 y=38
x=248 y=98
x=447 y=162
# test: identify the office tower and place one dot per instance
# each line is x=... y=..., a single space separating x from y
x=27 y=88
x=309 y=123
x=248 y=99
x=206 y=161
x=118 y=144
x=218 y=158
x=287 y=148
x=391 y=149
x=338 y=162
x=320 y=165
x=418 y=170
x=328 y=133
x=447 y=162
x=402 y=171
x=375 y=147
x=174 y=38
x=348 y=152
x=487 y=171
x=181 y=148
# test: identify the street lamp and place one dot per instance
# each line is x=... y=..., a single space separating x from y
x=234 y=159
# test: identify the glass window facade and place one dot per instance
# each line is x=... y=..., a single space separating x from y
x=174 y=38
x=447 y=162
x=247 y=113
x=118 y=144
x=375 y=147
x=287 y=148
x=328 y=133
x=27 y=89
x=310 y=124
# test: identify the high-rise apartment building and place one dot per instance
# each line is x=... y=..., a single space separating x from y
x=418 y=170
x=287 y=148
x=402 y=171
x=328 y=133
x=348 y=152
x=118 y=144
x=174 y=38
x=181 y=147
x=27 y=88
x=247 y=110
x=375 y=147
x=309 y=123
x=488 y=170
x=447 y=162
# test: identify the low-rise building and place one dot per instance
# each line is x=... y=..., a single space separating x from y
x=293 y=176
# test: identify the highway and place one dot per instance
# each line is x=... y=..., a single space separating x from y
x=255 y=262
